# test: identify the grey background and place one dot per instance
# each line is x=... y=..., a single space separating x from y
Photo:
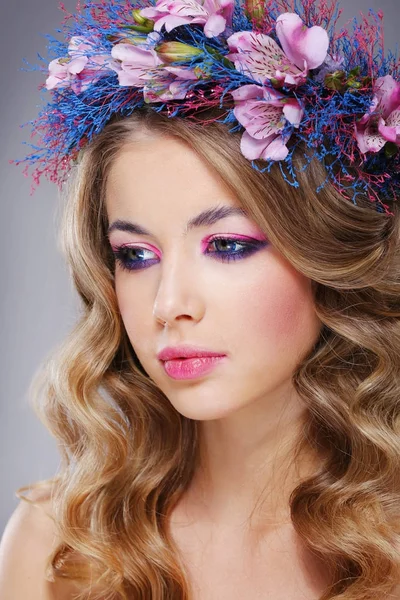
x=37 y=303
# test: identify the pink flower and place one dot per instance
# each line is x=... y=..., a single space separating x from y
x=264 y=113
x=306 y=47
x=261 y=58
x=172 y=83
x=215 y=15
x=137 y=64
x=140 y=66
x=381 y=123
x=79 y=70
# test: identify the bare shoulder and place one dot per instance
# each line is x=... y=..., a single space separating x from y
x=28 y=539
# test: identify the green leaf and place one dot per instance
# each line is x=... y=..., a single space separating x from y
x=354 y=72
x=354 y=84
x=225 y=61
x=391 y=149
x=336 y=81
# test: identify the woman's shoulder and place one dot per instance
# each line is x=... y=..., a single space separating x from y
x=29 y=538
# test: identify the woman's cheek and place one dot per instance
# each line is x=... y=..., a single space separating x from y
x=128 y=304
x=278 y=312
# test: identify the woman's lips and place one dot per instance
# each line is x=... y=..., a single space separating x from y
x=190 y=368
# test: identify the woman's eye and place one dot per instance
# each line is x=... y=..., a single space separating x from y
x=130 y=258
x=224 y=249
x=227 y=249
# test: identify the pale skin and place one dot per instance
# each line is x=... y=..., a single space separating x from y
x=258 y=310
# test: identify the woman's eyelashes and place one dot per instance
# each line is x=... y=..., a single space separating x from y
x=225 y=249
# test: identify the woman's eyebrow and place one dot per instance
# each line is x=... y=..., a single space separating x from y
x=205 y=218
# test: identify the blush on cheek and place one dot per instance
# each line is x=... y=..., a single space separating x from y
x=282 y=312
x=297 y=324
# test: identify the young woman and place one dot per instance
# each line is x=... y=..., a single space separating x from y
x=227 y=406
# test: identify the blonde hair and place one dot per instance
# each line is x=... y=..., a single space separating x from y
x=128 y=455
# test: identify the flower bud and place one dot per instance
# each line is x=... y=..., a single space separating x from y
x=255 y=11
x=147 y=28
x=142 y=25
x=138 y=18
x=127 y=38
x=176 y=51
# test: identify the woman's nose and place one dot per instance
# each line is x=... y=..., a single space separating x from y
x=179 y=292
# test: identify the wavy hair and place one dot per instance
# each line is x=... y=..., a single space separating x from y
x=128 y=456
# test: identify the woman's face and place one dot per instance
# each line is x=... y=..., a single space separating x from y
x=237 y=297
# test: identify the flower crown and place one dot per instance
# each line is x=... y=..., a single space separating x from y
x=278 y=70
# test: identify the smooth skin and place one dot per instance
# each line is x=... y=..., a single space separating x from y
x=27 y=542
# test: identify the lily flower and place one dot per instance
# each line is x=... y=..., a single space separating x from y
x=261 y=58
x=306 y=47
x=215 y=15
x=140 y=66
x=80 y=69
x=136 y=63
x=381 y=123
x=265 y=114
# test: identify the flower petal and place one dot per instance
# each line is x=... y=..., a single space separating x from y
x=130 y=78
x=150 y=12
x=177 y=90
x=172 y=21
x=374 y=141
x=360 y=137
x=394 y=118
x=135 y=56
x=214 y=26
x=247 y=92
x=77 y=65
x=388 y=133
x=258 y=56
x=260 y=119
x=58 y=74
x=276 y=150
x=181 y=73
x=251 y=148
x=387 y=91
x=301 y=43
x=227 y=9
x=293 y=111
x=78 y=45
x=190 y=8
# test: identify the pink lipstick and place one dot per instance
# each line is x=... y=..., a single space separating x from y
x=189 y=362
x=190 y=368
